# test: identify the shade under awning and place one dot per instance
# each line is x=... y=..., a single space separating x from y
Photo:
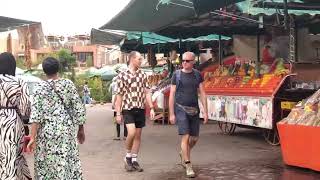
x=204 y=6
x=145 y=15
x=241 y=18
x=106 y=37
x=152 y=15
x=7 y=24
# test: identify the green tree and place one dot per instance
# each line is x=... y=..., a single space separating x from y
x=40 y=58
x=68 y=62
x=89 y=61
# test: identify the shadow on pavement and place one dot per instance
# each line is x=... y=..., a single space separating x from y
x=258 y=170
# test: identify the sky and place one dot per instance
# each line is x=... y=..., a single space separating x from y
x=64 y=17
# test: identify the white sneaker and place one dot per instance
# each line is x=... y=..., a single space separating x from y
x=189 y=171
x=183 y=164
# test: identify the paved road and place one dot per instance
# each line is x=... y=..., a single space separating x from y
x=242 y=156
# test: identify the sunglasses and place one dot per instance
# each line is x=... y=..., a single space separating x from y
x=187 y=61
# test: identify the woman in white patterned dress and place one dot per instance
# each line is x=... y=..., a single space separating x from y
x=14 y=102
x=57 y=117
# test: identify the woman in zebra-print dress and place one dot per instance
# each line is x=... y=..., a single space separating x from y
x=13 y=99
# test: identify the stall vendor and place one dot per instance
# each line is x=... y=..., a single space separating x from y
x=267 y=55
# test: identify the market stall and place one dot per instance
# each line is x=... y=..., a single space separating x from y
x=299 y=134
x=255 y=95
x=242 y=93
x=160 y=83
x=237 y=95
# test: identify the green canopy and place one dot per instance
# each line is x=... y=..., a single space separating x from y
x=153 y=38
x=250 y=7
x=106 y=72
x=91 y=72
x=108 y=75
x=155 y=69
x=211 y=37
x=149 y=38
x=119 y=67
x=98 y=72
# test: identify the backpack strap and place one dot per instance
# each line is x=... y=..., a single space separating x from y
x=197 y=74
x=53 y=87
x=178 y=78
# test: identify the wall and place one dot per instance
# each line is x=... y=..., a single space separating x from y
x=245 y=46
x=306 y=51
x=14 y=41
x=19 y=36
x=101 y=56
x=36 y=36
x=39 y=53
x=115 y=55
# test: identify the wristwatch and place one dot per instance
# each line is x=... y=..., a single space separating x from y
x=119 y=114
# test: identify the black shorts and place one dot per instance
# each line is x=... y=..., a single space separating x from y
x=134 y=116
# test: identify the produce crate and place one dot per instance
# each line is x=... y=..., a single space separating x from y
x=300 y=145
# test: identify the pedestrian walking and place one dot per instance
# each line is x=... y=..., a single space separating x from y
x=57 y=117
x=184 y=108
x=86 y=94
x=14 y=104
x=133 y=91
x=114 y=97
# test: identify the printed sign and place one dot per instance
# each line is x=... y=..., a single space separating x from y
x=244 y=110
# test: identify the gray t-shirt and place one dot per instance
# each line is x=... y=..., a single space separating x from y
x=187 y=92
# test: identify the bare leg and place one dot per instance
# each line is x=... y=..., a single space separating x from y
x=131 y=136
x=185 y=147
x=136 y=141
x=192 y=142
x=135 y=150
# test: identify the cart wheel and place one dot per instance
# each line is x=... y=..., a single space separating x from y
x=227 y=128
x=271 y=136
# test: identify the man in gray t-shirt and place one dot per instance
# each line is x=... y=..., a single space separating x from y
x=184 y=108
x=187 y=94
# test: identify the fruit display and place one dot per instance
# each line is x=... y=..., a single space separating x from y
x=306 y=112
x=242 y=78
x=280 y=68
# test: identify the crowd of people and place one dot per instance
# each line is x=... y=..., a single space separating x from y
x=57 y=117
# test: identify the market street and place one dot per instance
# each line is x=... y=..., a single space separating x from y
x=243 y=156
